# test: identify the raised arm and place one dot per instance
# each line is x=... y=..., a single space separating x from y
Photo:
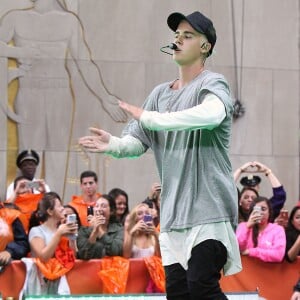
x=244 y=168
x=279 y=195
x=209 y=114
x=269 y=174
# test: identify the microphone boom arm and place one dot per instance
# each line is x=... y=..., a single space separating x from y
x=172 y=46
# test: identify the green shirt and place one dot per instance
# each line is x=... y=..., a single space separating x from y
x=110 y=244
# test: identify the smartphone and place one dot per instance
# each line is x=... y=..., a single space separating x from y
x=32 y=184
x=71 y=218
x=90 y=210
x=284 y=214
x=257 y=209
x=148 y=219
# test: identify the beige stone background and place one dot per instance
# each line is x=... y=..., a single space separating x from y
x=257 y=50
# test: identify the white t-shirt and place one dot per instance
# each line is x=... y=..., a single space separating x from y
x=40 y=231
x=10 y=189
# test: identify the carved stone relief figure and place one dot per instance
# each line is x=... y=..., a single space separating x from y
x=45 y=37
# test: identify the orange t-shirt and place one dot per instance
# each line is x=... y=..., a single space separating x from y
x=81 y=207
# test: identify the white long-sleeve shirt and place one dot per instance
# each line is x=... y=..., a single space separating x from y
x=208 y=114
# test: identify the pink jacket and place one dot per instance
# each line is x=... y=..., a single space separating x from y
x=270 y=242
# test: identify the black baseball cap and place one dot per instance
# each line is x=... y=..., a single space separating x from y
x=27 y=155
x=250 y=180
x=199 y=22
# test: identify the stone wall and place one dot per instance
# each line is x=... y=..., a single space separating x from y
x=257 y=50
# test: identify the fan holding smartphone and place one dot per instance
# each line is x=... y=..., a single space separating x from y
x=140 y=235
x=141 y=238
x=104 y=236
x=148 y=219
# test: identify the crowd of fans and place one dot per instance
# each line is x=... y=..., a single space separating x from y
x=34 y=222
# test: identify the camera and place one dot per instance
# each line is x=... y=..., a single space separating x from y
x=32 y=184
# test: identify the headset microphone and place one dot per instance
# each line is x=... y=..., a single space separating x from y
x=171 y=46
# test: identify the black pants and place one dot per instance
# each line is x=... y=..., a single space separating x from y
x=201 y=280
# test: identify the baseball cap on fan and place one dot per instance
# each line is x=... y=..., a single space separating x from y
x=199 y=22
x=250 y=180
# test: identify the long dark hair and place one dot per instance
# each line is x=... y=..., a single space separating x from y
x=75 y=212
x=40 y=215
x=243 y=216
x=255 y=230
x=291 y=232
x=114 y=193
x=290 y=221
x=112 y=207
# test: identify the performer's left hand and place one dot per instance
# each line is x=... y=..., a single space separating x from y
x=134 y=111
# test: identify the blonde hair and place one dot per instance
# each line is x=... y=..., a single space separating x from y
x=132 y=217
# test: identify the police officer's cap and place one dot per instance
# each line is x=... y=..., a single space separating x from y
x=27 y=155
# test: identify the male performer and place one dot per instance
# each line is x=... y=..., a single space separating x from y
x=187 y=124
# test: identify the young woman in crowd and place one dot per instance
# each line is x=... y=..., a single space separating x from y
x=50 y=244
x=258 y=237
x=246 y=197
x=140 y=235
x=293 y=235
x=121 y=200
x=153 y=211
x=104 y=236
x=69 y=210
x=46 y=227
x=279 y=195
x=24 y=197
